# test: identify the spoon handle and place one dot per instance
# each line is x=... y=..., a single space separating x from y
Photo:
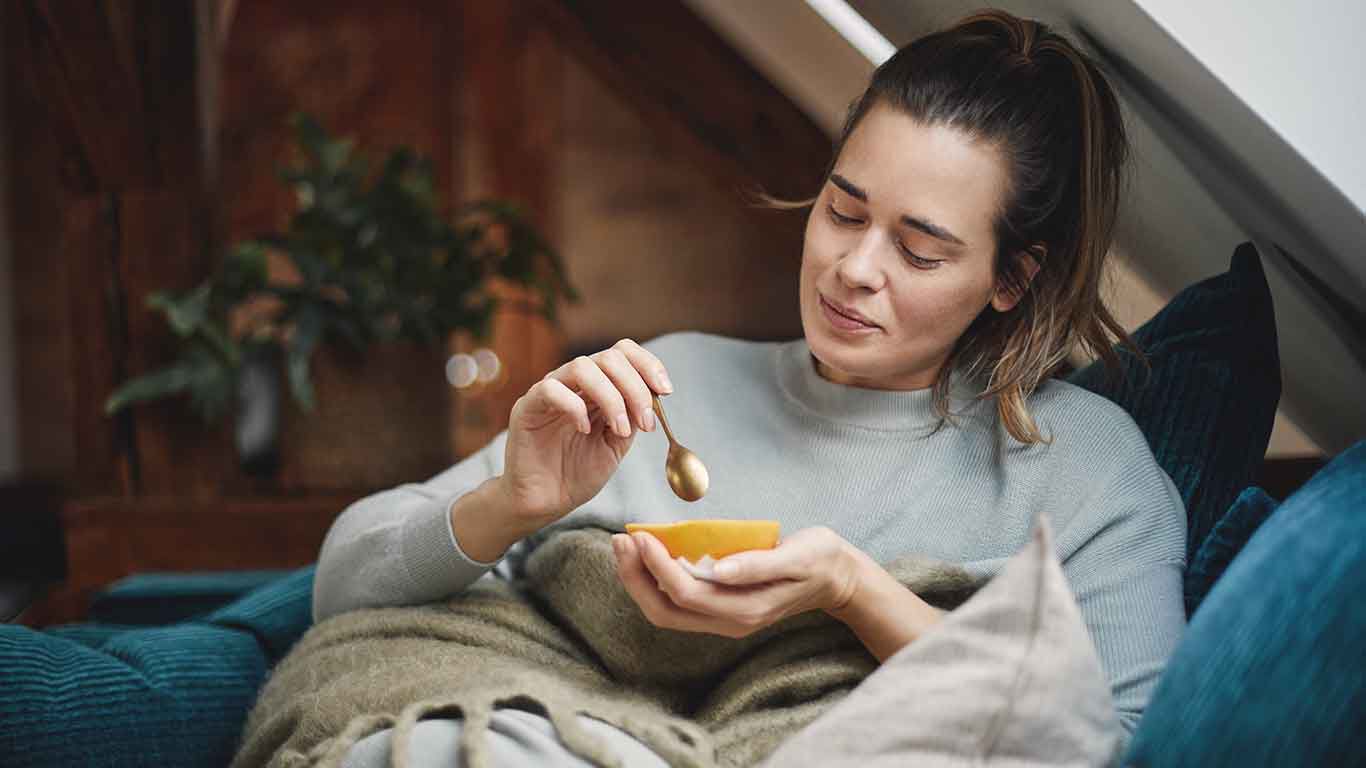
x=659 y=411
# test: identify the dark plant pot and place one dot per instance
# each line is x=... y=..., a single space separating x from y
x=256 y=431
x=382 y=418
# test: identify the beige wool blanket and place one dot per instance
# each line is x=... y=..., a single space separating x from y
x=564 y=639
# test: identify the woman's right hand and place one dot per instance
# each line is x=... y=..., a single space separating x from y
x=570 y=431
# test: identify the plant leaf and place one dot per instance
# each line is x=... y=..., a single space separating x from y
x=185 y=312
x=171 y=380
x=244 y=272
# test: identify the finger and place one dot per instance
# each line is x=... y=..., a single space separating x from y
x=585 y=374
x=553 y=396
x=727 y=610
x=651 y=368
x=685 y=590
x=660 y=609
x=641 y=585
x=721 y=610
x=630 y=384
x=632 y=571
x=798 y=557
x=758 y=566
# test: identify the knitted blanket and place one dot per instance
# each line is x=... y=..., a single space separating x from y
x=563 y=639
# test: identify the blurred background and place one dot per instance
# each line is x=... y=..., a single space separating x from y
x=143 y=138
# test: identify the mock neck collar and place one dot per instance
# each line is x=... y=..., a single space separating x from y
x=880 y=409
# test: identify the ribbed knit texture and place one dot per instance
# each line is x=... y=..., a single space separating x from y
x=152 y=599
x=110 y=696
x=783 y=443
x=1208 y=401
x=1233 y=531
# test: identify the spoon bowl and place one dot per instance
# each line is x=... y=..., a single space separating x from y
x=686 y=473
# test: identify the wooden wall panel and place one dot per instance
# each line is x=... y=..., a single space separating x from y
x=383 y=75
x=64 y=266
x=97 y=344
x=379 y=73
x=683 y=78
x=160 y=232
x=509 y=101
x=108 y=209
x=163 y=231
x=658 y=243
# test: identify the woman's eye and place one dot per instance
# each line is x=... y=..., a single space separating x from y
x=840 y=218
x=919 y=262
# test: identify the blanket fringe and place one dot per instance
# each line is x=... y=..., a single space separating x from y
x=474 y=736
x=401 y=745
x=579 y=741
x=681 y=744
x=330 y=753
x=697 y=701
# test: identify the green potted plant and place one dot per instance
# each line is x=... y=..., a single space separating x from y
x=374 y=260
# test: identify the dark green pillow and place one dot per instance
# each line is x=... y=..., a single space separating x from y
x=174 y=695
x=155 y=599
x=1208 y=405
x=1252 y=508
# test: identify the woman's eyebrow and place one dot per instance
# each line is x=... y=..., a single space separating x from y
x=915 y=222
x=931 y=229
x=848 y=187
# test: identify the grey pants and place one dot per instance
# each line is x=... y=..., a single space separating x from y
x=515 y=738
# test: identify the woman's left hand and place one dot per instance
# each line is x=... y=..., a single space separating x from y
x=814 y=569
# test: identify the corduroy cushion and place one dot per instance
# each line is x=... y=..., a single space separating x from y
x=176 y=695
x=1252 y=508
x=155 y=599
x=1207 y=406
x=1270 y=671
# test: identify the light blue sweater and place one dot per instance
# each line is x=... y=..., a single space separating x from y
x=783 y=443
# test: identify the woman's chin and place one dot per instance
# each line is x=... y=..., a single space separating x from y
x=830 y=363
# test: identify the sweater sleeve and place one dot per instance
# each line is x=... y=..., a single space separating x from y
x=1126 y=576
x=396 y=547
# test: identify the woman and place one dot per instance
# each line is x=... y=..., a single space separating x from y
x=951 y=259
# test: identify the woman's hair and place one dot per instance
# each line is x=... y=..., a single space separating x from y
x=1022 y=88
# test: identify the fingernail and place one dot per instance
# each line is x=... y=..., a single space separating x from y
x=623 y=425
x=665 y=386
x=648 y=421
x=617 y=544
x=724 y=570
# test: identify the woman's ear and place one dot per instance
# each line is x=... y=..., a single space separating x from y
x=1005 y=297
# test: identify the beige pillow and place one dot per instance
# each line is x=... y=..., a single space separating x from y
x=1010 y=678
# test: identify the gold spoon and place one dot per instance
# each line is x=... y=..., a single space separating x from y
x=686 y=473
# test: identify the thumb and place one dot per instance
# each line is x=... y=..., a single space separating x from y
x=758 y=566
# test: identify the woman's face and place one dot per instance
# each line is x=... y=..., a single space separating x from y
x=901 y=235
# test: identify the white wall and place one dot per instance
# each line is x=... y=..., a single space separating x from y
x=1298 y=65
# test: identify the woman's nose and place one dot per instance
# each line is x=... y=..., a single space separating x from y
x=860 y=267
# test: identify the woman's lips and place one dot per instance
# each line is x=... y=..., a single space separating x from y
x=843 y=321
